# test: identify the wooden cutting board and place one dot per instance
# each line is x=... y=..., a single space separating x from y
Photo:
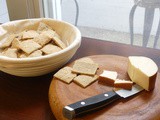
x=143 y=106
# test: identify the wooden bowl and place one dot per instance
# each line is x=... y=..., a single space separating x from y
x=36 y=66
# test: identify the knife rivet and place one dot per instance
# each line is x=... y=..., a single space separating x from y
x=106 y=95
x=83 y=103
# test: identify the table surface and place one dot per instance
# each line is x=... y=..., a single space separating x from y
x=27 y=98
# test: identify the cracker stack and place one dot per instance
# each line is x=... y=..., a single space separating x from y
x=83 y=72
x=32 y=43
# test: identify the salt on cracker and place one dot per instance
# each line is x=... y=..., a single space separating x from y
x=86 y=59
x=8 y=41
x=29 y=34
x=28 y=46
x=36 y=53
x=65 y=74
x=85 y=80
x=57 y=35
x=42 y=39
x=50 y=48
x=42 y=26
x=22 y=55
x=49 y=33
x=16 y=43
x=85 y=68
x=59 y=42
x=10 y=52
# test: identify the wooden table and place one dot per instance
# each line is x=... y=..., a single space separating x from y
x=27 y=98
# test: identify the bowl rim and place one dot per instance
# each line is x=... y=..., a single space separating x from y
x=32 y=59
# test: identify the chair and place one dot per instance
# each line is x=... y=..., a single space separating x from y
x=149 y=6
x=77 y=12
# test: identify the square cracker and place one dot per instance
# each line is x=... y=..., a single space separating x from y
x=29 y=34
x=59 y=42
x=8 y=41
x=42 y=39
x=28 y=46
x=65 y=74
x=85 y=68
x=36 y=53
x=42 y=26
x=10 y=52
x=86 y=59
x=16 y=43
x=85 y=80
x=49 y=33
x=50 y=48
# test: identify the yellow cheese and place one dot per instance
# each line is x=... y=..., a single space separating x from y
x=142 y=71
x=125 y=84
x=108 y=77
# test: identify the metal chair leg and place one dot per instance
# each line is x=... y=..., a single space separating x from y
x=157 y=35
x=148 y=22
x=77 y=12
x=131 y=17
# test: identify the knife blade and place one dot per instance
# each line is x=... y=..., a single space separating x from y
x=98 y=101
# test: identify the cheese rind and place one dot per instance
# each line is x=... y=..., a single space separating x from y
x=142 y=71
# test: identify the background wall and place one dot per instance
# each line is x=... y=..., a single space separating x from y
x=106 y=14
x=3 y=12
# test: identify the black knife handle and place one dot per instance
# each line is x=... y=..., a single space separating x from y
x=89 y=104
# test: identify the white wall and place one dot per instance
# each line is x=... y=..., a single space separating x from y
x=3 y=12
x=106 y=14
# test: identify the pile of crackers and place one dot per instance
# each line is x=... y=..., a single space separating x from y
x=32 y=43
x=83 y=72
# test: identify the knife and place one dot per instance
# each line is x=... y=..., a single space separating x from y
x=98 y=101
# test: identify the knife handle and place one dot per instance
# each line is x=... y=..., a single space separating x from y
x=89 y=104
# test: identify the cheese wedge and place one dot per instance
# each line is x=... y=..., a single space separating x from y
x=108 y=77
x=142 y=71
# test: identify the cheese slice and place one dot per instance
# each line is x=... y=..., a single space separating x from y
x=125 y=84
x=108 y=77
x=142 y=71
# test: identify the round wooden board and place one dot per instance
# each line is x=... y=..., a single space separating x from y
x=143 y=106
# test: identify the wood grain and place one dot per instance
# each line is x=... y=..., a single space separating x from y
x=143 y=106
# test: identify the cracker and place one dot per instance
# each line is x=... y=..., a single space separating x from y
x=42 y=26
x=85 y=80
x=36 y=53
x=57 y=35
x=8 y=41
x=49 y=33
x=86 y=59
x=28 y=46
x=22 y=55
x=29 y=34
x=10 y=52
x=65 y=74
x=59 y=42
x=50 y=48
x=16 y=43
x=42 y=39
x=85 y=68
